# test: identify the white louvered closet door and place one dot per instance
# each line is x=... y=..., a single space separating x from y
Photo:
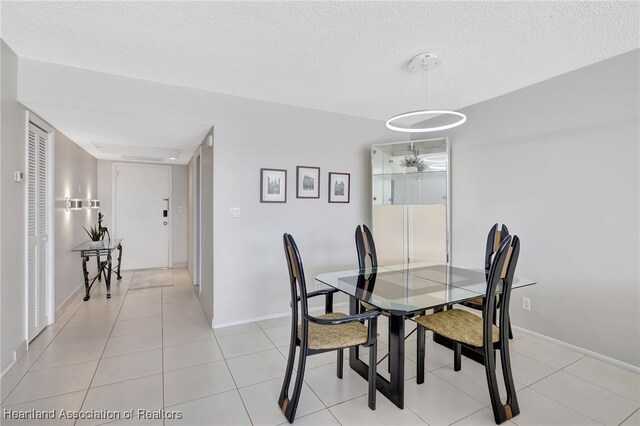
x=38 y=228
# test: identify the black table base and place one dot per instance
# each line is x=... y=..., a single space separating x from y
x=104 y=270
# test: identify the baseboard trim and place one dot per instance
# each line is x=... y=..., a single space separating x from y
x=178 y=265
x=64 y=305
x=17 y=354
x=272 y=316
x=596 y=355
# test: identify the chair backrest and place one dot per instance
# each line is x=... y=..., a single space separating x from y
x=501 y=275
x=296 y=278
x=494 y=239
x=365 y=247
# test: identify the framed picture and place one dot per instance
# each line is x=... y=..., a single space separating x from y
x=273 y=186
x=339 y=187
x=308 y=182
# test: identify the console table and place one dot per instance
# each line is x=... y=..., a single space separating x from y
x=104 y=266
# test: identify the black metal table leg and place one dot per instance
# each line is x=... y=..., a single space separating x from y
x=107 y=275
x=119 y=261
x=396 y=358
x=86 y=278
x=98 y=264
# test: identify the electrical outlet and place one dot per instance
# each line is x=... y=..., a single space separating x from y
x=526 y=304
x=234 y=212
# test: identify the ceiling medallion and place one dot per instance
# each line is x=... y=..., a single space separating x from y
x=423 y=63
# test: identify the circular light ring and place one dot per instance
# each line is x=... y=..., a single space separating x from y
x=391 y=126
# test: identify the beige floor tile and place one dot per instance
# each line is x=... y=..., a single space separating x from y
x=472 y=380
x=137 y=325
x=356 y=412
x=138 y=302
x=280 y=335
x=7 y=384
x=436 y=356
x=190 y=354
x=179 y=289
x=235 y=329
x=616 y=379
x=92 y=318
x=81 y=334
x=537 y=410
x=527 y=370
x=483 y=417
x=144 y=393
x=589 y=399
x=71 y=353
x=330 y=389
x=128 y=343
x=182 y=319
x=223 y=409
x=274 y=322
x=185 y=334
x=133 y=312
x=183 y=296
x=44 y=338
x=261 y=401
x=52 y=381
x=144 y=292
x=191 y=383
x=25 y=362
x=177 y=307
x=632 y=420
x=244 y=344
x=258 y=367
x=126 y=367
x=546 y=352
x=68 y=402
x=313 y=361
x=437 y=402
x=319 y=418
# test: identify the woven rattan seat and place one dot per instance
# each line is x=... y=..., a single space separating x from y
x=335 y=336
x=459 y=325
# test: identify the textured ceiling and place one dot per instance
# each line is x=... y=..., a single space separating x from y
x=346 y=57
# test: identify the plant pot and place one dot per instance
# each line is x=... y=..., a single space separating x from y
x=96 y=244
x=411 y=169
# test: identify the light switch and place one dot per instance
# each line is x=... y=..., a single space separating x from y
x=234 y=212
x=18 y=176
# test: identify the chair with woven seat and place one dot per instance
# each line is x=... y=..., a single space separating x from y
x=481 y=334
x=366 y=248
x=332 y=331
x=494 y=239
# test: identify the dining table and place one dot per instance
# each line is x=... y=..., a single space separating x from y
x=402 y=292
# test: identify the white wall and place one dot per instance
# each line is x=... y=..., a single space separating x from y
x=178 y=197
x=559 y=163
x=12 y=223
x=75 y=176
x=249 y=265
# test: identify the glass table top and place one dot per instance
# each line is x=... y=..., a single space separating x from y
x=107 y=245
x=414 y=287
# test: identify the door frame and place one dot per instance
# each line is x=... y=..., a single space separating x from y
x=197 y=219
x=114 y=225
x=31 y=118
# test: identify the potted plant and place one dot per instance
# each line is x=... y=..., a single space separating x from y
x=412 y=164
x=95 y=235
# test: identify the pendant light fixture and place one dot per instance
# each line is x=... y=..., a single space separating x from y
x=423 y=63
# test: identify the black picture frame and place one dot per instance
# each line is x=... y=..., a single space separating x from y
x=270 y=180
x=339 y=187
x=305 y=176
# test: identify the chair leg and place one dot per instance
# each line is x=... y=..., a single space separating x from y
x=283 y=400
x=510 y=331
x=290 y=409
x=457 y=356
x=420 y=355
x=340 y=362
x=511 y=407
x=373 y=361
x=500 y=413
x=388 y=358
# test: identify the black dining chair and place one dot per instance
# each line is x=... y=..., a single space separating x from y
x=494 y=239
x=366 y=248
x=332 y=331
x=480 y=333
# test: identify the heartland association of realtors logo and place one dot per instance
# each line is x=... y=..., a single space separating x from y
x=62 y=414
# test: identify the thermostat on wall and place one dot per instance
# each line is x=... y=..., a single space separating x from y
x=18 y=176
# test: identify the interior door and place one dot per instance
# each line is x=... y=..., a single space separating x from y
x=38 y=231
x=142 y=214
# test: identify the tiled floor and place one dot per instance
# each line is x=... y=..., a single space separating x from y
x=153 y=348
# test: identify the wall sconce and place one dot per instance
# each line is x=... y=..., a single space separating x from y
x=73 y=204
x=94 y=204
